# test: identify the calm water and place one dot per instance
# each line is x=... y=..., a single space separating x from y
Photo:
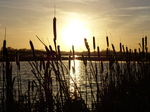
x=79 y=76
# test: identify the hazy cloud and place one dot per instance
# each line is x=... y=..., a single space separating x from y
x=138 y=8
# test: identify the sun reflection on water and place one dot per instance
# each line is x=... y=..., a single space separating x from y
x=75 y=77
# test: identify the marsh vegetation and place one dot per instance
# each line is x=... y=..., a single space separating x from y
x=123 y=87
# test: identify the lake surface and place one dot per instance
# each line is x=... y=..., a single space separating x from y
x=77 y=75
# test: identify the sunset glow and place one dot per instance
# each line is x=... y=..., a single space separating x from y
x=124 y=21
x=74 y=33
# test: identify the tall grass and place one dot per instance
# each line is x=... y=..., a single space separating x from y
x=109 y=86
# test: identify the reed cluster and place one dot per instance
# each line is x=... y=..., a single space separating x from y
x=111 y=86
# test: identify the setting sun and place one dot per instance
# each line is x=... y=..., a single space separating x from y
x=74 y=33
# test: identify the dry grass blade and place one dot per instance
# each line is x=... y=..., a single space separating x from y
x=40 y=40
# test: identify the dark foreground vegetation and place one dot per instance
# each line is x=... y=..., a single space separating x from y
x=123 y=87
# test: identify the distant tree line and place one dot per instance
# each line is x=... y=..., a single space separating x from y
x=26 y=54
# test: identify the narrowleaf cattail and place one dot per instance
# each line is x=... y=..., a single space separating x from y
x=33 y=51
x=107 y=52
x=73 y=52
x=54 y=31
x=130 y=50
x=55 y=44
x=146 y=43
x=127 y=50
x=59 y=54
x=4 y=44
x=94 y=43
x=17 y=60
x=4 y=48
x=54 y=28
x=107 y=41
x=84 y=60
x=50 y=47
x=123 y=48
x=143 y=44
x=135 y=52
x=114 y=49
x=86 y=44
x=69 y=60
x=120 y=47
x=98 y=52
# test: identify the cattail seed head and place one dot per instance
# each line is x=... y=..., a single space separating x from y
x=17 y=60
x=143 y=44
x=94 y=43
x=98 y=52
x=120 y=47
x=107 y=41
x=86 y=44
x=33 y=51
x=54 y=28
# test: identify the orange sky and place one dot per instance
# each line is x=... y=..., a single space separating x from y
x=123 y=21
